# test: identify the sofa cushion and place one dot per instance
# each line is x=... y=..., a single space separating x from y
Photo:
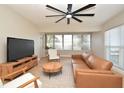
x=90 y=61
x=94 y=71
x=95 y=62
x=77 y=61
x=79 y=66
x=77 y=56
x=85 y=56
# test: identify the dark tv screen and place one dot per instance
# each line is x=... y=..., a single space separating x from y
x=19 y=48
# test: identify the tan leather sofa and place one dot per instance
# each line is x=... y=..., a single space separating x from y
x=90 y=71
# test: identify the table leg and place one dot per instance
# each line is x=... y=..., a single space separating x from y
x=61 y=71
x=49 y=75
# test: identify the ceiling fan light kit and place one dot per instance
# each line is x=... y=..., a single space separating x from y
x=69 y=14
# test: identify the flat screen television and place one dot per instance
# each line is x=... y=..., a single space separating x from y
x=19 y=48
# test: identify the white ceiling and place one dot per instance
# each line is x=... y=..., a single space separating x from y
x=36 y=13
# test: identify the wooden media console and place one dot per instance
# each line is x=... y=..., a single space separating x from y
x=28 y=62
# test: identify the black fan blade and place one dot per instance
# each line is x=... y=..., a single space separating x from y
x=84 y=8
x=69 y=8
x=76 y=19
x=68 y=20
x=60 y=19
x=83 y=14
x=55 y=9
x=54 y=15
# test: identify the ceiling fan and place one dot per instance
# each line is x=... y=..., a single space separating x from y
x=69 y=14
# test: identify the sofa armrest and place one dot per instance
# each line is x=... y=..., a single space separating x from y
x=94 y=71
x=95 y=80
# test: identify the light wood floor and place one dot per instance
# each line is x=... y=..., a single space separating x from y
x=58 y=81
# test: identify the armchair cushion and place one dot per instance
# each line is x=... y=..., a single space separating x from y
x=54 y=57
x=53 y=54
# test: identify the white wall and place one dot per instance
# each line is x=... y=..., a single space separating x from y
x=115 y=21
x=69 y=28
x=98 y=43
x=14 y=25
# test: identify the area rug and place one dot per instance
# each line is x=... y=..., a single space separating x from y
x=58 y=80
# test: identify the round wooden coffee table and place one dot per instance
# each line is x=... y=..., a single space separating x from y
x=52 y=67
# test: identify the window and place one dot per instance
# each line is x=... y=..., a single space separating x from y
x=50 y=40
x=114 y=46
x=58 y=42
x=86 y=42
x=68 y=41
x=77 y=42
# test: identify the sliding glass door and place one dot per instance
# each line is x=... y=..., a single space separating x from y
x=114 y=46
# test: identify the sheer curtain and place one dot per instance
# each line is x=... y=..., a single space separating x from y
x=114 y=46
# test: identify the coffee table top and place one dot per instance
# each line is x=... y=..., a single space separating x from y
x=52 y=67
